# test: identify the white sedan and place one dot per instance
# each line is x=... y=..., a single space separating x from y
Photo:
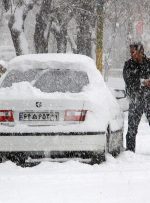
x=57 y=106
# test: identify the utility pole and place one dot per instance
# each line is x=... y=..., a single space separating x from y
x=99 y=47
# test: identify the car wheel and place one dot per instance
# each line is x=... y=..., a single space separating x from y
x=16 y=157
x=19 y=158
x=2 y=157
x=116 y=152
x=29 y=164
x=98 y=158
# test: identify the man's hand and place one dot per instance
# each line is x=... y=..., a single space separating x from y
x=146 y=83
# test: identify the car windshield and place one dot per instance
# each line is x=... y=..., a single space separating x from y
x=65 y=80
x=51 y=80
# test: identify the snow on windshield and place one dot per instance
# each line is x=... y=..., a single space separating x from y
x=75 y=62
x=62 y=81
x=16 y=76
x=54 y=80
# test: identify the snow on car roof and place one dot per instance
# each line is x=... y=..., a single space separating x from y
x=52 y=60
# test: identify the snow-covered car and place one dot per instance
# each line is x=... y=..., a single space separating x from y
x=57 y=106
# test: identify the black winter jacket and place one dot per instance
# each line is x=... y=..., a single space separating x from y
x=133 y=72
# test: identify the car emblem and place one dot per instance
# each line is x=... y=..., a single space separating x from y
x=38 y=104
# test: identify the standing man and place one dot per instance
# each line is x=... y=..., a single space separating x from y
x=136 y=74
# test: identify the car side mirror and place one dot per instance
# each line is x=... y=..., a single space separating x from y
x=119 y=94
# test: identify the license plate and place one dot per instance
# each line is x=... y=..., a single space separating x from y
x=39 y=116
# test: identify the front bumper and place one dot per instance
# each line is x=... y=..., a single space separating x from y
x=72 y=141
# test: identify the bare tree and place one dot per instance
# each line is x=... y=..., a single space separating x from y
x=54 y=17
x=62 y=17
x=86 y=20
x=42 y=27
x=1 y=12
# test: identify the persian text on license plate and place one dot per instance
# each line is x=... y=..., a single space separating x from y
x=39 y=116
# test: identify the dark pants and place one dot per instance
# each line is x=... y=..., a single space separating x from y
x=137 y=106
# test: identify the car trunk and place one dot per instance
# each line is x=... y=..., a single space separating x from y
x=43 y=111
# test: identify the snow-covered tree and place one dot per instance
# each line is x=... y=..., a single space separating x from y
x=71 y=23
x=54 y=17
x=18 y=11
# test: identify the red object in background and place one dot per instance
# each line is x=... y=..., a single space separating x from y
x=139 y=27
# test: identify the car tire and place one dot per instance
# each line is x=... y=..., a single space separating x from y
x=2 y=157
x=117 y=150
x=98 y=158
x=29 y=164
x=115 y=153
x=19 y=158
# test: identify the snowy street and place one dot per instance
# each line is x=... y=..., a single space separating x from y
x=122 y=180
x=68 y=72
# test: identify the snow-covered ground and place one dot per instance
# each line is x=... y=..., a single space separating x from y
x=125 y=179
